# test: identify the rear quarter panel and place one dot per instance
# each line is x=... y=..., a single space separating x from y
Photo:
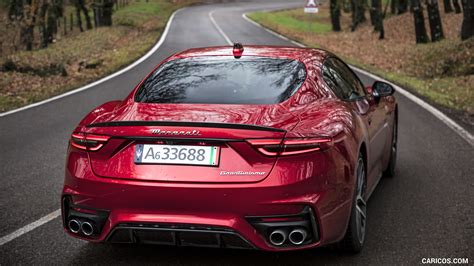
x=333 y=118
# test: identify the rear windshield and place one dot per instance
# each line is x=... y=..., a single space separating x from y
x=223 y=80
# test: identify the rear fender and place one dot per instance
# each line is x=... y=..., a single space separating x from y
x=99 y=111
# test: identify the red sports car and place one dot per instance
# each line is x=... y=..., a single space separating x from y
x=272 y=148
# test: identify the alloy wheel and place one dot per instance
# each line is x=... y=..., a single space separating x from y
x=394 y=144
x=361 y=206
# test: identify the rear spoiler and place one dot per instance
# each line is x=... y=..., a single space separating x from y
x=184 y=124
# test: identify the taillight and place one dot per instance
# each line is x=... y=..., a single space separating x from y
x=88 y=142
x=291 y=147
x=274 y=147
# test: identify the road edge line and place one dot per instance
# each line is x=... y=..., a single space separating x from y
x=30 y=227
x=104 y=79
x=462 y=132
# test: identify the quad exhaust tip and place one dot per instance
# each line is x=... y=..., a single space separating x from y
x=74 y=226
x=277 y=237
x=297 y=236
x=87 y=228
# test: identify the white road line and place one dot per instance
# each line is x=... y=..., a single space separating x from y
x=218 y=28
x=27 y=228
x=88 y=86
x=438 y=114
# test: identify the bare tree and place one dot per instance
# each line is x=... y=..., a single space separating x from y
x=23 y=13
x=447 y=6
x=377 y=17
x=402 y=6
x=55 y=12
x=398 y=6
x=103 y=10
x=436 y=28
x=44 y=5
x=393 y=6
x=358 y=13
x=467 y=28
x=457 y=7
x=28 y=24
x=420 y=30
x=335 y=15
x=81 y=6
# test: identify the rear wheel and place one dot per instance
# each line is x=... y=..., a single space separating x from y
x=390 y=171
x=355 y=235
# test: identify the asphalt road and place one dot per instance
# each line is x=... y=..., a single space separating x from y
x=425 y=211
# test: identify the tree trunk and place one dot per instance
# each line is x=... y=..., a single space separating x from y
x=107 y=12
x=51 y=25
x=104 y=10
x=436 y=27
x=86 y=14
x=376 y=10
x=55 y=12
x=80 y=6
x=71 y=19
x=78 y=15
x=420 y=30
x=357 y=13
x=447 y=6
x=96 y=18
x=42 y=24
x=347 y=6
x=28 y=23
x=393 y=6
x=467 y=28
x=402 y=6
x=363 y=7
x=354 y=16
x=457 y=7
x=335 y=15
x=372 y=14
x=26 y=37
x=15 y=10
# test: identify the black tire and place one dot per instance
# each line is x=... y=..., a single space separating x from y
x=390 y=170
x=354 y=238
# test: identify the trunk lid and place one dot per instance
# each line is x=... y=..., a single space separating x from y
x=225 y=127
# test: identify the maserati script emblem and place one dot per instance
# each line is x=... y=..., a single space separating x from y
x=176 y=132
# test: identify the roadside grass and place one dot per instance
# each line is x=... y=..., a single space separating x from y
x=293 y=20
x=440 y=72
x=75 y=60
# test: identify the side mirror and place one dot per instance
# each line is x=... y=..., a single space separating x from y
x=382 y=89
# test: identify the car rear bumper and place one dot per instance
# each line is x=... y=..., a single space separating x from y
x=225 y=215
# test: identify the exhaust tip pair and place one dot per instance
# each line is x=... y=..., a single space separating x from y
x=296 y=236
x=85 y=227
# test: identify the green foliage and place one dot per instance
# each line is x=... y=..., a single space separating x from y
x=137 y=13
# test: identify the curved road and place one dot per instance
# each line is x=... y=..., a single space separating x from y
x=426 y=211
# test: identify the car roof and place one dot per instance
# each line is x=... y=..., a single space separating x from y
x=302 y=54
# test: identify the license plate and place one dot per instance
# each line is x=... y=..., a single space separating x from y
x=176 y=154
